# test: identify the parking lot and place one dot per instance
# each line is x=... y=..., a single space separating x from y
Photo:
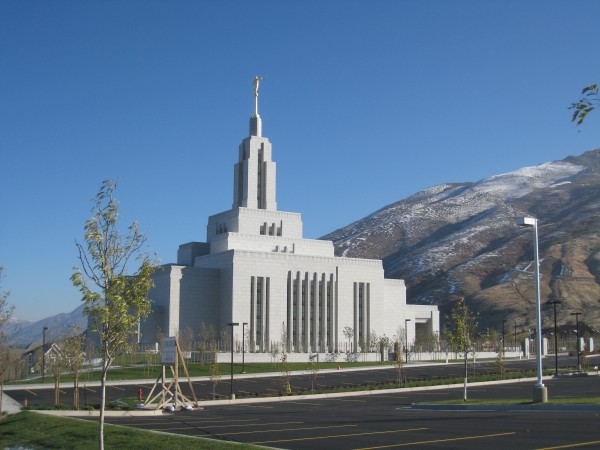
x=372 y=421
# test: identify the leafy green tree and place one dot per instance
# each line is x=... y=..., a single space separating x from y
x=115 y=297
x=461 y=333
x=586 y=104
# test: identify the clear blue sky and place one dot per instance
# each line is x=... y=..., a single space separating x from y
x=365 y=102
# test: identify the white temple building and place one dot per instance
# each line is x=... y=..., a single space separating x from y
x=256 y=268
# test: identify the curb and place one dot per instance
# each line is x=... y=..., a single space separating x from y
x=132 y=413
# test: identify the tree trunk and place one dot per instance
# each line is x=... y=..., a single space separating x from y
x=1 y=392
x=56 y=390
x=466 y=377
x=105 y=366
x=76 y=391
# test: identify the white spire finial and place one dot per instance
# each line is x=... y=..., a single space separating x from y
x=256 y=83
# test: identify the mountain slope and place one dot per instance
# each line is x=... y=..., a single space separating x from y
x=24 y=333
x=461 y=239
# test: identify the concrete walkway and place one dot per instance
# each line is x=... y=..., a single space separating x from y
x=10 y=406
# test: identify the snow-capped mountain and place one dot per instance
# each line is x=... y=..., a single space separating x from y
x=461 y=239
x=24 y=333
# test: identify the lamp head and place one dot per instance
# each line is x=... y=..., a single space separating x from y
x=526 y=221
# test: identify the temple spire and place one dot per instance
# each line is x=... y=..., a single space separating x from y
x=255 y=120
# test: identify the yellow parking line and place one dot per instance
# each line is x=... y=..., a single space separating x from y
x=341 y=435
x=116 y=387
x=89 y=389
x=256 y=406
x=464 y=438
x=31 y=392
x=192 y=422
x=306 y=403
x=287 y=429
x=255 y=425
x=435 y=393
x=579 y=444
x=390 y=396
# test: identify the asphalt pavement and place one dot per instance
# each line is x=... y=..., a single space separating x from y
x=378 y=420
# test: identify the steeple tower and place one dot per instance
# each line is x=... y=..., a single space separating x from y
x=255 y=173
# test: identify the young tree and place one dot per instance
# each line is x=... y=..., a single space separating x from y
x=349 y=334
x=215 y=371
x=73 y=358
x=384 y=342
x=312 y=368
x=398 y=363
x=461 y=335
x=585 y=105
x=186 y=340
x=5 y=350
x=115 y=297
x=286 y=385
x=274 y=352
x=55 y=364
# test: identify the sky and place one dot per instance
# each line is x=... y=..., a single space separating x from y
x=365 y=103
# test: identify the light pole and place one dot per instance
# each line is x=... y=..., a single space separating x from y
x=406 y=339
x=515 y=343
x=554 y=303
x=244 y=346
x=232 y=324
x=577 y=314
x=503 y=325
x=44 y=352
x=540 y=392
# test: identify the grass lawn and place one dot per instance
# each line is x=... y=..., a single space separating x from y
x=37 y=431
x=196 y=370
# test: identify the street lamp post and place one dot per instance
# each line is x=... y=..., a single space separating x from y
x=44 y=352
x=232 y=324
x=515 y=343
x=503 y=326
x=540 y=392
x=244 y=346
x=554 y=303
x=577 y=314
x=406 y=339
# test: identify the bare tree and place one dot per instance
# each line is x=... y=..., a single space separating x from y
x=209 y=336
x=286 y=385
x=461 y=335
x=349 y=334
x=312 y=368
x=114 y=295
x=186 y=340
x=398 y=363
x=6 y=354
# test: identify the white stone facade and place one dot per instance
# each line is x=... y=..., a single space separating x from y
x=256 y=268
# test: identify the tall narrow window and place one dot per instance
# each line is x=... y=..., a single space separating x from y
x=294 y=313
x=259 y=310
x=303 y=315
x=259 y=181
x=329 y=303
